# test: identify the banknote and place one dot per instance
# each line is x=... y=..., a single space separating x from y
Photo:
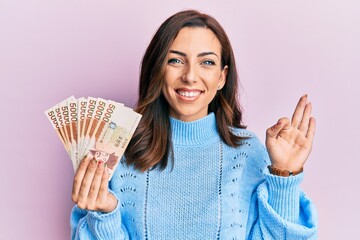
x=56 y=119
x=93 y=126
x=82 y=103
x=73 y=138
x=116 y=133
x=50 y=113
x=90 y=106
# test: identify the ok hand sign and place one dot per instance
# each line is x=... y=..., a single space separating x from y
x=289 y=143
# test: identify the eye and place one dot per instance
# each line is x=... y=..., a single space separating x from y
x=208 y=62
x=175 y=61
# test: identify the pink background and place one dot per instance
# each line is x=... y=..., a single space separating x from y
x=50 y=50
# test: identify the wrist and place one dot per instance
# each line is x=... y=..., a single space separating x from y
x=283 y=172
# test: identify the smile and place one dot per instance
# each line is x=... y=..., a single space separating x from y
x=187 y=94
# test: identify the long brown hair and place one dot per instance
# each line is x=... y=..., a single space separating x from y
x=151 y=142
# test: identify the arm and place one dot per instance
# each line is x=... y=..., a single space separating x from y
x=94 y=225
x=97 y=213
x=279 y=210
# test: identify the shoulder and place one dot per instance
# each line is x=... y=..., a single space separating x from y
x=248 y=137
x=241 y=132
x=252 y=146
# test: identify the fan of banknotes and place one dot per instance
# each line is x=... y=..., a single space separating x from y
x=102 y=128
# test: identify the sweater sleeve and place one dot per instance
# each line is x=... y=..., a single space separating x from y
x=96 y=225
x=279 y=209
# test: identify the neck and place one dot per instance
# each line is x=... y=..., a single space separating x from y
x=196 y=132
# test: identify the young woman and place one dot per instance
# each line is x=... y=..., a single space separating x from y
x=191 y=170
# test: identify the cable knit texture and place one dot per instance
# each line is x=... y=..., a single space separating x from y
x=213 y=191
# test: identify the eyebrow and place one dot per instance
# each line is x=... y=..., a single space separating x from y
x=199 y=55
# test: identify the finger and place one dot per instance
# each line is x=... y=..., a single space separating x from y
x=86 y=183
x=103 y=191
x=311 y=131
x=108 y=200
x=299 y=111
x=282 y=124
x=304 y=124
x=95 y=185
x=78 y=178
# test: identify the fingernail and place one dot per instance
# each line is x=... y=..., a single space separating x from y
x=89 y=156
x=100 y=162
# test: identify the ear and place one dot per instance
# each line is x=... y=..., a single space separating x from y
x=223 y=75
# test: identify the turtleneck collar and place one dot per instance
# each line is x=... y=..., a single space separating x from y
x=196 y=132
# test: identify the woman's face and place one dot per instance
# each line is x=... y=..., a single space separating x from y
x=193 y=73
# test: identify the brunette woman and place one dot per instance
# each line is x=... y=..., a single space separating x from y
x=191 y=170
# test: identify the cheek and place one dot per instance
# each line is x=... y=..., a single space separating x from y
x=212 y=82
x=167 y=95
x=168 y=85
x=172 y=74
x=165 y=91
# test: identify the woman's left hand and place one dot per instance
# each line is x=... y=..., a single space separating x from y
x=289 y=143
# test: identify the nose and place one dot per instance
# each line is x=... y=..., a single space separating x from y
x=190 y=73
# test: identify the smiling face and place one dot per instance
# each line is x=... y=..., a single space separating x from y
x=193 y=73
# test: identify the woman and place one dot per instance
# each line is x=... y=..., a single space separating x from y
x=191 y=170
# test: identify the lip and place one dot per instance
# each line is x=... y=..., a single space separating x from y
x=192 y=94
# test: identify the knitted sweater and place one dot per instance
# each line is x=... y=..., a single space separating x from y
x=213 y=192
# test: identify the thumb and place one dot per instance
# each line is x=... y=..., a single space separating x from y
x=282 y=124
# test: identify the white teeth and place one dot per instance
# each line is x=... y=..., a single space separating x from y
x=189 y=94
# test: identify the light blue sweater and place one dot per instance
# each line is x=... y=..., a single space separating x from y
x=213 y=192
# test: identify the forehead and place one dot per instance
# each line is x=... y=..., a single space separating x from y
x=195 y=40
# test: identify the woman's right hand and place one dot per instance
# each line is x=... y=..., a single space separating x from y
x=90 y=187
